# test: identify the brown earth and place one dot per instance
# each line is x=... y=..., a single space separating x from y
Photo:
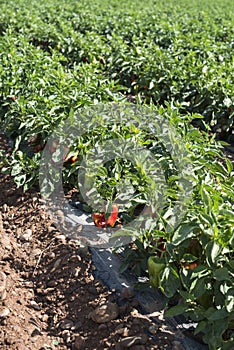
x=49 y=298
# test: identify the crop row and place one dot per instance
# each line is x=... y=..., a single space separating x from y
x=159 y=54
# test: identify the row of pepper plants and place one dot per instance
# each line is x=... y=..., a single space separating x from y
x=175 y=58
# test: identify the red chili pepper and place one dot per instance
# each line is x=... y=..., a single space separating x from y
x=99 y=220
x=113 y=216
x=191 y=266
x=73 y=159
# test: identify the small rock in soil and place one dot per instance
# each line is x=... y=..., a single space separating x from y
x=104 y=313
x=5 y=242
x=66 y=335
x=78 y=343
x=2 y=282
x=51 y=229
x=18 y=232
x=130 y=341
x=66 y=324
x=36 y=332
x=26 y=236
x=3 y=295
x=61 y=238
x=122 y=330
x=56 y=264
x=34 y=305
x=52 y=283
x=4 y=312
x=153 y=329
x=44 y=318
x=36 y=252
x=60 y=214
x=5 y=208
x=50 y=255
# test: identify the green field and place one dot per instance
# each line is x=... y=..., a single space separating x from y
x=173 y=57
x=58 y=54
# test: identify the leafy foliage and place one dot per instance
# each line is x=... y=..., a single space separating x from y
x=176 y=58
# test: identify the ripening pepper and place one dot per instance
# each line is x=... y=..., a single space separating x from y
x=101 y=221
x=113 y=216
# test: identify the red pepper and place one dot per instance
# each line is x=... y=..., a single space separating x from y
x=113 y=216
x=191 y=266
x=13 y=98
x=73 y=159
x=99 y=220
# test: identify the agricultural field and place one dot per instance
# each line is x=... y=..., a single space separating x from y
x=121 y=89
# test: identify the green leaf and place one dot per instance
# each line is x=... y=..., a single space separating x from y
x=228 y=345
x=17 y=142
x=189 y=258
x=187 y=296
x=200 y=271
x=213 y=250
x=20 y=180
x=222 y=274
x=176 y=310
x=200 y=327
x=230 y=303
x=229 y=166
x=151 y=85
x=16 y=169
x=225 y=288
x=169 y=281
x=198 y=287
x=185 y=276
x=206 y=218
x=184 y=232
x=206 y=198
x=215 y=315
x=213 y=333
